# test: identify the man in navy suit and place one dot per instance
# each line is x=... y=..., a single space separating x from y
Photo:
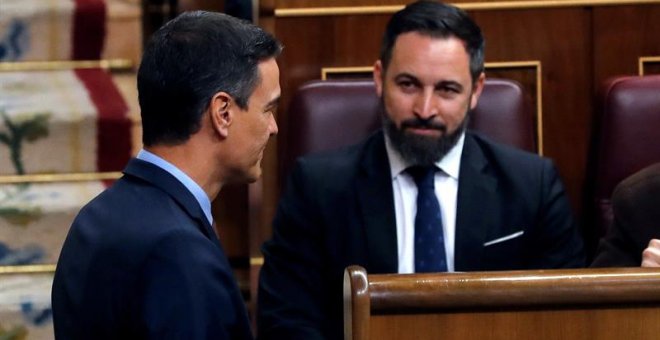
x=483 y=206
x=142 y=260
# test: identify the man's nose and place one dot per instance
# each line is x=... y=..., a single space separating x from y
x=425 y=105
x=272 y=126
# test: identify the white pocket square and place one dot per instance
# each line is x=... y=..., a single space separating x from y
x=505 y=238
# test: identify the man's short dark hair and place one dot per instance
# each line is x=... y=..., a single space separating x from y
x=440 y=20
x=190 y=59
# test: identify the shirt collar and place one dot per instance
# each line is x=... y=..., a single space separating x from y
x=192 y=186
x=450 y=164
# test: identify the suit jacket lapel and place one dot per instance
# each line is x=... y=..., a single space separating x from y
x=374 y=188
x=168 y=183
x=477 y=206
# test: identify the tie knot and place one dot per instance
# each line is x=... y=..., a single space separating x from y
x=423 y=175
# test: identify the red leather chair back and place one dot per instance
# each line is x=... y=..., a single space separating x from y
x=330 y=114
x=626 y=139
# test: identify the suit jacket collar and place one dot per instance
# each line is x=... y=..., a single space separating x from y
x=476 y=211
x=176 y=190
x=374 y=189
x=477 y=206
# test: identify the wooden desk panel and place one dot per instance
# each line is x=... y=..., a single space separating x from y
x=542 y=304
x=573 y=324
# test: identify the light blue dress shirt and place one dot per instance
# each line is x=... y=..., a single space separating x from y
x=193 y=187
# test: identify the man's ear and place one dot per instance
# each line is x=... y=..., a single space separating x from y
x=476 y=90
x=378 y=77
x=222 y=113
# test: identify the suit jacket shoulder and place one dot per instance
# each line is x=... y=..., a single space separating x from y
x=141 y=261
x=505 y=159
x=524 y=220
x=341 y=164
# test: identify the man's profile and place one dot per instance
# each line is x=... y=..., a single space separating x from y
x=142 y=260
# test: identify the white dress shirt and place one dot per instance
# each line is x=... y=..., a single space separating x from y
x=405 y=202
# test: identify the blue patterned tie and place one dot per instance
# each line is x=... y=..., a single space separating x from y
x=429 y=240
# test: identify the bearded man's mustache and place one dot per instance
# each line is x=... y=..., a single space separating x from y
x=419 y=123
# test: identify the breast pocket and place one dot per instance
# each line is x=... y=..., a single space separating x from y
x=504 y=252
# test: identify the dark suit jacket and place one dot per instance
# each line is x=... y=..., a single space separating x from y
x=636 y=220
x=142 y=262
x=338 y=210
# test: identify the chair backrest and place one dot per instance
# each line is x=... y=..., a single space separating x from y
x=330 y=114
x=626 y=139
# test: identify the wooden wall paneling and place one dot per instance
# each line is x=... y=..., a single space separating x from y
x=264 y=14
x=351 y=72
x=542 y=325
x=259 y=211
x=621 y=35
x=337 y=3
x=559 y=39
x=288 y=8
x=203 y=5
x=311 y=43
x=649 y=65
x=260 y=214
x=230 y=213
x=155 y=13
x=324 y=42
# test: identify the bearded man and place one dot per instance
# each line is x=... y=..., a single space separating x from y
x=422 y=195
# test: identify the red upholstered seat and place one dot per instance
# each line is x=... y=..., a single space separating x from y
x=626 y=139
x=330 y=114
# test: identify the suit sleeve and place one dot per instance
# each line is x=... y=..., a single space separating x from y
x=186 y=291
x=619 y=248
x=560 y=242
x=291 y=282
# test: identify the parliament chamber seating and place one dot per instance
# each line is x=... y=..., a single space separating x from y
x=329 y=114
x=625 y=139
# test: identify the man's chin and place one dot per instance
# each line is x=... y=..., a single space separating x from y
x=254 y=174
x=426 y=147
x=250 y=175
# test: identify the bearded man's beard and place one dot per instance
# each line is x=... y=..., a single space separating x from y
x=416 y=149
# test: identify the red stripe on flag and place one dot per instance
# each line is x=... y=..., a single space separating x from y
x=113 y=125
x=88 y=29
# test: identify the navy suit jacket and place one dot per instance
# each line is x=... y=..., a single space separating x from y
x=338 y=210
x=142 y=262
